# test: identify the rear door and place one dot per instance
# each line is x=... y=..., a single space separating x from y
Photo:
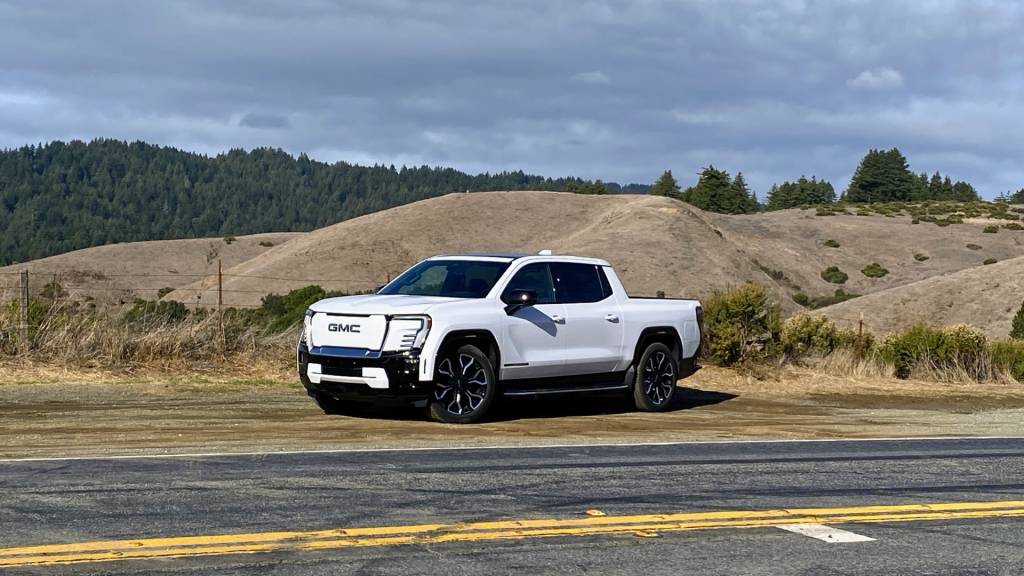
x=533 y=342
x=593 y=330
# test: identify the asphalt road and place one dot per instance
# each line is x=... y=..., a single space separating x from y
x=928 y=506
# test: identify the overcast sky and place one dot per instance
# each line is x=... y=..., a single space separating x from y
x=597 y=89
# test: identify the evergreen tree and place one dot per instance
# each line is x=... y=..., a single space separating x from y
x=1017 y=329
x=803 y=192
x=882 y=176
x=666 y=186
x=715 y=191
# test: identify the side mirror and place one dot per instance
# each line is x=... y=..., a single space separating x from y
x=518 y=299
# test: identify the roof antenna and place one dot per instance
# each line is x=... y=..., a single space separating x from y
x=544 y=253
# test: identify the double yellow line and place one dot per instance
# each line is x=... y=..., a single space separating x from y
x=643 y=524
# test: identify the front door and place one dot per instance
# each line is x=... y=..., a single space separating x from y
x=533 y=345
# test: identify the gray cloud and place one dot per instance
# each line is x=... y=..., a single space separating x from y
x=601 y=89
x=263 y=120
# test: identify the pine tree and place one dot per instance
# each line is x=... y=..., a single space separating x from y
x=882 y=176
x=1017 y=329
x=716 y=191
x=803 y=192
x=666 y=186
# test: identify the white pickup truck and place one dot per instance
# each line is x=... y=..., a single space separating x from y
x=456 y=332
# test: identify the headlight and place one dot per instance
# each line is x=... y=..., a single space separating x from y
x=306 y=323
x=406 y=333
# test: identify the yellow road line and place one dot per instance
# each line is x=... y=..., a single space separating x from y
x=172 y=547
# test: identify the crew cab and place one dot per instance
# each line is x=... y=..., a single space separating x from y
x=455 y=333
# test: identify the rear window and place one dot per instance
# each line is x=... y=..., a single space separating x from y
x=578 y=283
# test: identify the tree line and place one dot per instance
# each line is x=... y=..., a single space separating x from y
x=59 y=196
x=881 y=176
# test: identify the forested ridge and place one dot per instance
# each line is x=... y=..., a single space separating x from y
x=59 y=196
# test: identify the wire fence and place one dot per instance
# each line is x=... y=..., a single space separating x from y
x=194 y=289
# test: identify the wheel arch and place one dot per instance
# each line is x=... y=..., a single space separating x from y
x=481 y=338
x=666 y=335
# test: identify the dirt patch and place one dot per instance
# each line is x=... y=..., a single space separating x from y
x=120 y=414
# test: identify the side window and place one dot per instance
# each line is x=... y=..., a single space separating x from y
x=576 y=283
x=534 y=277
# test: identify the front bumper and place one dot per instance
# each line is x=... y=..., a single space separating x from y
x=391 y=375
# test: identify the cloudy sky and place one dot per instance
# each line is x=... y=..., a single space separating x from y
x=599 y=89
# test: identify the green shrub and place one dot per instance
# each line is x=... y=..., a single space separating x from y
x=1017 y=328
x=834 y=275
x=164 y=291
x=1013 y=226
x=230 y=240
x=831 y=243
x=1008 y=356
x=955 y=348
x=973 y=247
x=809 y=334
x=921 y=257
x=815 y=302
x=989 y=261
x=160 y=312
x=915 y=221
x=991 y=229
x=266 y=243
x=741 y=323
x=874 y=270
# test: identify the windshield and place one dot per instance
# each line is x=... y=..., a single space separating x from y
x=449 y=278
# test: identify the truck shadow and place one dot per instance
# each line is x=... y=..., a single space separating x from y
x=558 y=406
x=508 y=409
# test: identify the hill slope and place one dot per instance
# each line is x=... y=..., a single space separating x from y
x=655 y=243
x=986 y=297
x=119 y=273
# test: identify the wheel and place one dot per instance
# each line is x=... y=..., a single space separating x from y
x=656 y=375
x=333 y=406
x=464 y=386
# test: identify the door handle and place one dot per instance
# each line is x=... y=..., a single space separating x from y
x=611 y=317
x=558 y=319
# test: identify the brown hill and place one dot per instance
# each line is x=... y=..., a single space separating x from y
x=119 y=273
x=984 y=296
x=655 y=244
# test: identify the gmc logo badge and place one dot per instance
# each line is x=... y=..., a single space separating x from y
x=353 y=328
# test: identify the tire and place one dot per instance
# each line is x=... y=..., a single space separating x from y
x=656 y=375
x=335 y=407
x=464 y=386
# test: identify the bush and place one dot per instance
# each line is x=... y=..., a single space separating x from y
x=809 y=334
x=164 y=291
x=874 y=270
x=1017 y=328
x=741 y=323
x=1008 y=356
x=989 y=261
x=991 y=229
x=831 y=243
x=230 y=240
x=956 y=349
x=834 y=275
x=266 y=243
x=921 y=257
x=161 y=312
x=815 y=302
x=1013 y=226
x=973 y=247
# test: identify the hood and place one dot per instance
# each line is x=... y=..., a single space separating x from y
x=379 y=304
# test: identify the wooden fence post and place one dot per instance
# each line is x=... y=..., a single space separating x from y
x=23 y=319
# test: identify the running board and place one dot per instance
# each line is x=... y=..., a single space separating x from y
x=568 y=390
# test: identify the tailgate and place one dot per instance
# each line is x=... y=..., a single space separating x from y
x=348 y=331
